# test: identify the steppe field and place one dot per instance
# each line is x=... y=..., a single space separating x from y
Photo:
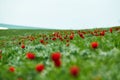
x=90 y=54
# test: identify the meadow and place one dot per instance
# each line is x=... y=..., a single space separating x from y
x=91 y=54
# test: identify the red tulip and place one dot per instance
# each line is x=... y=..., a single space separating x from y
x=39 y=67
x=55 y=34
x=81 y=35
x=0 y=56
x=57 y=63
x=56 y=56
x=11 y=69
x=74 y=71
x=94 y=45
x=71 y=37
x=111 y=30
x=0 y=51
x=54 y=38
x=30 y=55
x=22 y=46
x=102 y=33
x=41 y=41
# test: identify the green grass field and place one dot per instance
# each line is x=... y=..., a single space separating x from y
x=94 y=63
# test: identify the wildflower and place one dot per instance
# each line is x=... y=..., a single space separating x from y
x=71 y=36
x=102 y=33
x=11 y=69
x=55 y=56
x=41 y=41
x=94 y=45
x=81 y=35
x=30 y=55
x=57 y=63
x=74 y=71
x=22 y=46
x=110 y=30
x=54 y=38
x=39 y=67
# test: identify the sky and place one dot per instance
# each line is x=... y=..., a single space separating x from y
x=61 y=14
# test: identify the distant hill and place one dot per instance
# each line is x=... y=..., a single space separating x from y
x=3 y=28
x=11 y=26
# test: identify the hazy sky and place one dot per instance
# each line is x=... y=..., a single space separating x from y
x=70 y=14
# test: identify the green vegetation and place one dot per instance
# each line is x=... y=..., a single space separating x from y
x=100 y=63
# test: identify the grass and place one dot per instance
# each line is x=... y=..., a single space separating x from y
x=101 y=63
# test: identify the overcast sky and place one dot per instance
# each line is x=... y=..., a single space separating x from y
x=70 y=14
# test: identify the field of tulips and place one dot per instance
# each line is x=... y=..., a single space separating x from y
x=91 y=54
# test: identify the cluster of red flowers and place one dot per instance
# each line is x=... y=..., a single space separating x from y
x=57 y=35
x=74 y=70
x=81 y=34
x=56 y=58
x=0 y=56
x=99 y=32
x=102 y=33
x=39 y=67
